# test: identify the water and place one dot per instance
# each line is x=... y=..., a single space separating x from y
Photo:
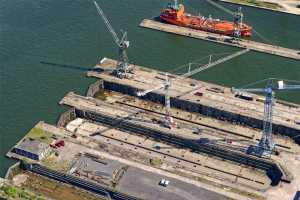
x=70 y=34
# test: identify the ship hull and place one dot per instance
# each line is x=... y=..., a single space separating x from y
x=244 y=33
x=180 y=18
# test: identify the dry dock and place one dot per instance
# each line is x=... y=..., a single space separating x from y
x=204 y=98
x=140 y=123
x=256 y=46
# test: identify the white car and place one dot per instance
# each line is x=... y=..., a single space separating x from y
x=164 y=182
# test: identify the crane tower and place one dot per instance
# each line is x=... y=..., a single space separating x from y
x=266 y=144
x=122 y=67
x=168 y=121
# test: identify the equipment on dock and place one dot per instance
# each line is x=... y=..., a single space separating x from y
x=168 y=121
x=122 y=66
x=175 y=14
x=266 y=145
x=238 y=17
x=238 y=21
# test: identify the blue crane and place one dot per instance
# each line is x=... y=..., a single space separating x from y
x=266 y=145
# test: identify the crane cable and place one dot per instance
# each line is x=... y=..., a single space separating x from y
x=197 y=61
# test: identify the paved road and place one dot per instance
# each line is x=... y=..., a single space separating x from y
x=144 y=185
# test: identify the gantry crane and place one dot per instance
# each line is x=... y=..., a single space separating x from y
x=266 y=145
x=122 y=67
x=168 y=121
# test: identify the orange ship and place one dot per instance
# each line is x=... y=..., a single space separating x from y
x=175 y=14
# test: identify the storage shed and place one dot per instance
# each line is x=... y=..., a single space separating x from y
x=32 y=149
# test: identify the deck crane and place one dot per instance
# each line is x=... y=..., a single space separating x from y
x=168 y=120
x=176 y=4
x=238 y=22
x=122 y=67
x=266 y=145
x=238 y=17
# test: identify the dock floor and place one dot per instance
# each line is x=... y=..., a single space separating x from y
x=256 y=46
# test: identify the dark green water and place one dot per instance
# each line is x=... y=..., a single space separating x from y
x=70 y=32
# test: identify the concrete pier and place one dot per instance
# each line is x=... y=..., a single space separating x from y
x=256 y=46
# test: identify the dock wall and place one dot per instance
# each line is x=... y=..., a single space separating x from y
x=66 y=117
x=204 y=110
x=94 y=88
x=10 y=172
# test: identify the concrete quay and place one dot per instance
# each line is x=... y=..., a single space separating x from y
x=242 y=43
x=118 y=117
x=215 y=101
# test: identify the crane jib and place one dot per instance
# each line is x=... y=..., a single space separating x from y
x=109 y=27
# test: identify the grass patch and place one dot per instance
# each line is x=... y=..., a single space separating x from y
x=155 y=162
x=101 y=94
x=25 y=195
x=40 y=134
x=72 y=116
x=14 y=192
x=9 y=191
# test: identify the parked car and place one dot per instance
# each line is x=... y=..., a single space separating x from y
x=163 y=182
